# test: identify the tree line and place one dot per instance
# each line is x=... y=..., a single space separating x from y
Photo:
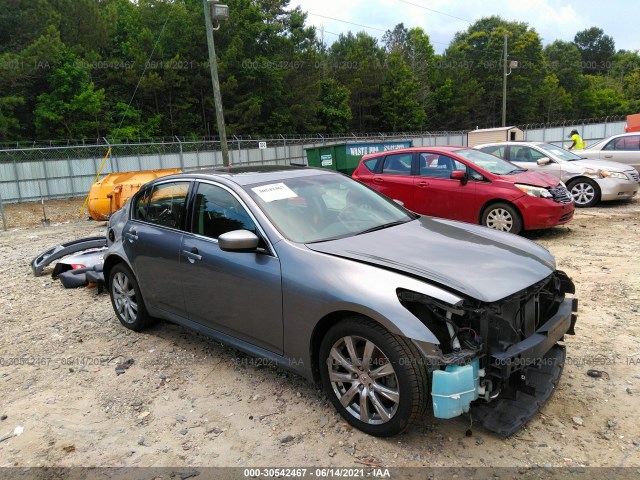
x=122 y=69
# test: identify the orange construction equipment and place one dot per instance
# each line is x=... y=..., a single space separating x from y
x=633 y=123
x=112 y=192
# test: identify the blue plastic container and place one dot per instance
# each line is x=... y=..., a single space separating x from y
x=454 y=388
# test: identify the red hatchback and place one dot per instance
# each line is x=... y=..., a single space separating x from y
x=468 y=185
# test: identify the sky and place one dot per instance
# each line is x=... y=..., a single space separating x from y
x=441 y=19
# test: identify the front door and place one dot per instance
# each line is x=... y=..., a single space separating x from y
x=237 y=293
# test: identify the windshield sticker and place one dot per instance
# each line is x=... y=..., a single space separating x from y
x=274 y=191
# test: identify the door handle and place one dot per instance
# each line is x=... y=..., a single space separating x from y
x=378 y=180
x=192 y=255
x=608 y=156
x=423 y=184
x=131 y=235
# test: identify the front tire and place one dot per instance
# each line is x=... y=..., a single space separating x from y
x=126 y=299
x=503 y=217
x=585 y=192
x=376 y=380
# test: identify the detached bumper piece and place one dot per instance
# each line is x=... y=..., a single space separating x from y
x=81 y=277
x=55 y=253
x=507 y=416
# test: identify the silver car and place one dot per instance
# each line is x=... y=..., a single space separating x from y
x=322 y=275
x=589 y=181
x=623 y=148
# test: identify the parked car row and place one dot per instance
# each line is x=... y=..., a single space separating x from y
x=508 y=186
x=468 y=185
x=589 y=180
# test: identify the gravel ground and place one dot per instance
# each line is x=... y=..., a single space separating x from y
x=187 y=400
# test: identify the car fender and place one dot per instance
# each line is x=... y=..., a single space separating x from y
x=311 y=293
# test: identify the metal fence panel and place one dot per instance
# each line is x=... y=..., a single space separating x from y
x=68 y=171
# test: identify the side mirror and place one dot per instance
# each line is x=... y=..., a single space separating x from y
x=460 y=175
x=238 y=240
x=543 y=161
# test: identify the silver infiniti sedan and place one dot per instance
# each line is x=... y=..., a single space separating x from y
x=589 y=181
x=394 y=313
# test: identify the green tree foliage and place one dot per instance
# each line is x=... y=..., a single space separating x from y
x=357 y=62
x=596 y=50
x=474 y=61
x=130 y=69
x=400 y=107
x=73 y=106
x=334 y=111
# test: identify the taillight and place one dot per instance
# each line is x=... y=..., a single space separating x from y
x=75 y=266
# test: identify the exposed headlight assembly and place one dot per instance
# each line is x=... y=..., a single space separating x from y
x=532 y=191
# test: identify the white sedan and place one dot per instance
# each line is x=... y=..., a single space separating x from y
x=589 y=181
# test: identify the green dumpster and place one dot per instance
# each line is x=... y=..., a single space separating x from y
x=344 y=157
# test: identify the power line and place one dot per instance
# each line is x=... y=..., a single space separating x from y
x=146 y=65
x=436 y=11
x=359 y=25
x=345 y=21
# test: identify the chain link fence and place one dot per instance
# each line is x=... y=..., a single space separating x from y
x=63 y=169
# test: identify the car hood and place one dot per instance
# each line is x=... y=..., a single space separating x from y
x=539 y=179
x=482 y=263
x=606 y=164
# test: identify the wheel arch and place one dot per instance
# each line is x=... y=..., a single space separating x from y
x=110 y=262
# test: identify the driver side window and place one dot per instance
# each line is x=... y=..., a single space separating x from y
x=218 y=211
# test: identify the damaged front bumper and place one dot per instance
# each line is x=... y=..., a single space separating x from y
x=499 y=361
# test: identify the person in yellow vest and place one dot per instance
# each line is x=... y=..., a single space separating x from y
x=578 y=142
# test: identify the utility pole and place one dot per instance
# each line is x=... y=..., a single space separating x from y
x=504 y=84
x=218 y=13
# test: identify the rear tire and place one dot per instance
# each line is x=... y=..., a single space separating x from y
x=503 y=217
x=376 y=380
x=127 y=300
x=585 y=192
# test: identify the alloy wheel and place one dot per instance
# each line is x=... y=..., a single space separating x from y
x=582 y=193
x=124 y=298
x=364 y=380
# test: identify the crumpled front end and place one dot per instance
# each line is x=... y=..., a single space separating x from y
x=499 y=360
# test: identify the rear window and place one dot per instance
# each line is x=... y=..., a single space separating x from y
x=371 y=164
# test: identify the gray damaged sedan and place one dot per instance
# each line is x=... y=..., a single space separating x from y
x=396 y=314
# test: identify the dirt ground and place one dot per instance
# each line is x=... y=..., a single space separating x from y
x=189 y=401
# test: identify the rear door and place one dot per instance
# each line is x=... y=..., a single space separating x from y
x=394 y=178
x=237 y=293
x=437 y=194
x=624 y=150
x=152 y=240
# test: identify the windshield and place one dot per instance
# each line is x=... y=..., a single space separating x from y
x=489 y=162
x=559 y=152
x=325 y=207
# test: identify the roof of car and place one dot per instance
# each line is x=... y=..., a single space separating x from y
x=248 y=175
x=429 y=148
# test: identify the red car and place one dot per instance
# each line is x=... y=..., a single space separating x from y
x=464 y=184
